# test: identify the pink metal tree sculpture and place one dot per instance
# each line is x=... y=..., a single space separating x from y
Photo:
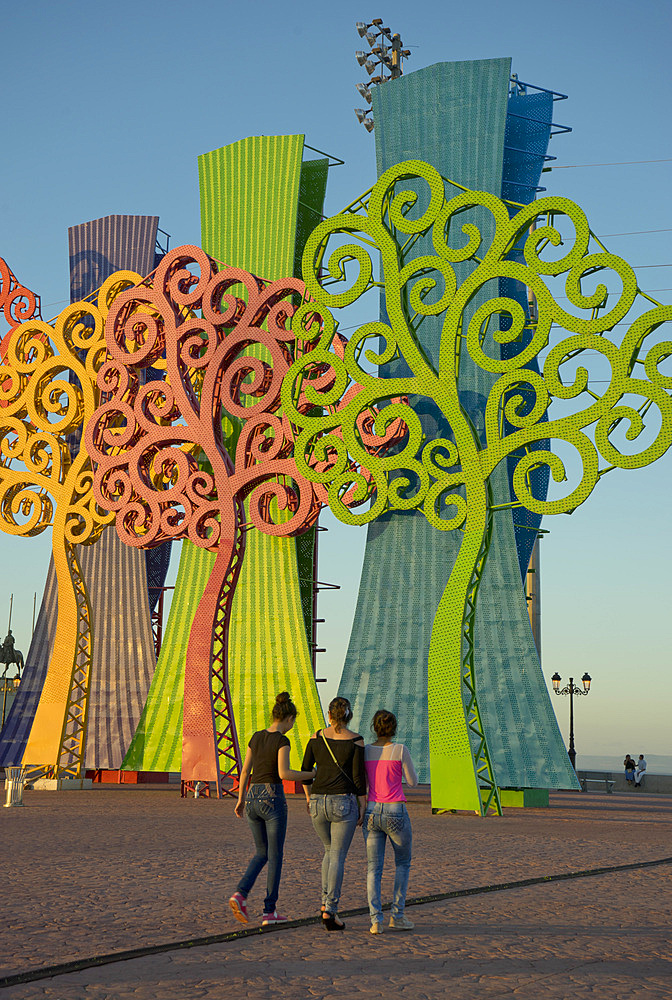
x=145 y=440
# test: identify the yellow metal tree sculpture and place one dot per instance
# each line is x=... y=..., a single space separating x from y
x=624 y=422
x=48 y=391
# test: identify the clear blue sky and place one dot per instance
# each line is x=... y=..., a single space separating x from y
x=107 y=106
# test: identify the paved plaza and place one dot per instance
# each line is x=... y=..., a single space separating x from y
x=93 y=872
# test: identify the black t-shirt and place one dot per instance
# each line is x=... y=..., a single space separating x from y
x=330 y=780
x=264 y=747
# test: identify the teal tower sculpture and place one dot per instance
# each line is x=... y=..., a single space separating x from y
x=460 y=117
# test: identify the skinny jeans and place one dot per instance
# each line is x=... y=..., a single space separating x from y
x=383 y=820
x=266 y=812
x=334 y=818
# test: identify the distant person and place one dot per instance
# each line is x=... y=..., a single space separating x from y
x=629 y=765
x=267 y=759
x=640 y=771
x=386 y=817
x=336 y=800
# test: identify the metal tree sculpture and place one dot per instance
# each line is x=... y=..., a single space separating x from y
x=145 y=441
x=447 y=478
x=48 y=391
x=154 y=485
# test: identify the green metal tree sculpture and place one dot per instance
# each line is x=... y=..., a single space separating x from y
x=447 y=477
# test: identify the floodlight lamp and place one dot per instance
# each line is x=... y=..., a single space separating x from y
x=555 y=681
x=364 y=92
x=377 y=21
x=406 y=53
x=361 y=57
x=361 y=28
x=386 y=31
x=586 y=679
x=368 y=125
x=377 y=79
x=371 y=38
x=361 y=115
x=370 y=66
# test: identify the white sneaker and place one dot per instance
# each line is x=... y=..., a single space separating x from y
x=401 y=924
x=376 y=927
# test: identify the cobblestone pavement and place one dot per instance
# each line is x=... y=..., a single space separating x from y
x=108 y=869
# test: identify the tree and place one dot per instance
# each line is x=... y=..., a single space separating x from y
x=447 y=478
x=166 y=470
x=48 y=392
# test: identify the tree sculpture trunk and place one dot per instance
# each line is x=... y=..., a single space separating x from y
x=454 y=777
x=204 y=684
x=69 y=668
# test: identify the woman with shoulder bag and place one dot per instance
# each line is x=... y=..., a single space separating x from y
x=386 y=818
x=267 y=759
x=336 y=801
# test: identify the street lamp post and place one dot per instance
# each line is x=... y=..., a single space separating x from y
x=571 y=689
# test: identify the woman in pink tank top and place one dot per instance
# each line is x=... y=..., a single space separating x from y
x=386 y=817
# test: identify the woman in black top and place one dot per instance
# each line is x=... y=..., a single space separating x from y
x=337 y=799
x=267 y=758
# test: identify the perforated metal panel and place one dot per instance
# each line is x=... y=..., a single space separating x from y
x=528 y=129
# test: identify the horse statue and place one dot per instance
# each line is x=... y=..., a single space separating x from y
x=8 y=654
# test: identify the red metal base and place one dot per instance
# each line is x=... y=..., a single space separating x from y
x=293 y=787
x=105 y=777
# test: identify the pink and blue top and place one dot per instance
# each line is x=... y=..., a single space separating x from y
x=385 y=766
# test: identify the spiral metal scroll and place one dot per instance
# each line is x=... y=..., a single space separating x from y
x=447 y=478
x=48 y=391
x=17 y=303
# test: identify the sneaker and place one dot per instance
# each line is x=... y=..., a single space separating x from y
x=273 y=918
x=239 y=906
x=401 y=924
x=376 y=927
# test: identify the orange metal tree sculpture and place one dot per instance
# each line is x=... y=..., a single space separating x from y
x=47 y=392
x=144 y=439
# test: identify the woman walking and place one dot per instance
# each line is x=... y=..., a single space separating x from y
x=336 y=801
x=386 y=816
x=267 y=759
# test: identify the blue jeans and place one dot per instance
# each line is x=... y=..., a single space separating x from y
x=266 y=812
x=334 y=818
x=382 y=820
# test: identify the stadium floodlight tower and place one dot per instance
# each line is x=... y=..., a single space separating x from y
x=389 y=57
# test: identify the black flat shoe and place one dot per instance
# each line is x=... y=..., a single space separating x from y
x=331 y=923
